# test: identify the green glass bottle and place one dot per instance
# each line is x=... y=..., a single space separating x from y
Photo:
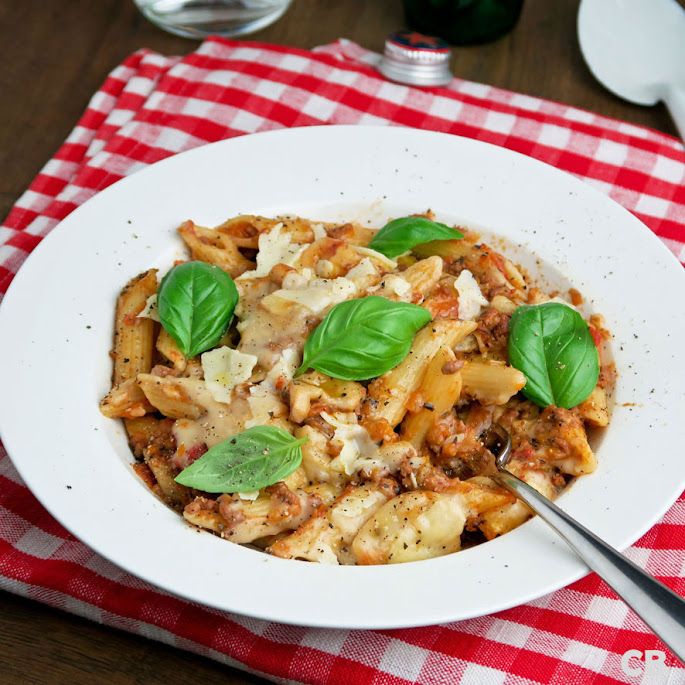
x=463 y=22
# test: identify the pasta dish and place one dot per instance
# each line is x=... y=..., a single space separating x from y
x=319 y=391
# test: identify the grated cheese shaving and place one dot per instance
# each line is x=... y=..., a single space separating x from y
x=224 y=368
x=470 y=297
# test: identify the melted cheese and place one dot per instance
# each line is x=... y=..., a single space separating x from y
x=224 y=368
x=320 y=293
x=264 y=406
x=387 y=263
x=357 y=449
x=399 y=286
x=217 y=423
x=274 y=326
x=275 y=247
x=283 y=370
x=319 y=231
x=296 y=280
x=394 y=285
x=362 y=270
x=265 y=401
x=470 y=297
x=251 y=496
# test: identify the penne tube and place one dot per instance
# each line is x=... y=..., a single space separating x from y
x=501 y=519
x=354 y=233
x=326 y=538
x=388 y=395
x=133 y=336
x=594 y=409
x=297 y=479
x=316 y=459
x=437 y=394
x=415 y=525
x=173 y=493
x=514 y=276
x=169 y=395
x=243 y=231
x=301 y=230
x=208 y=245
x=314 y=392
x=424 y=275
x=327 y=493
x=454 y=249
x=276 y=509
x=145 y=431
x=336 y=255
x=125 y=400
x=503 y=304
x=168 y=348
x=413 y=284
x=204 y=513
x=491 y=382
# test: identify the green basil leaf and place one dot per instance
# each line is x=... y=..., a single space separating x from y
x=401 y=235
x=195 y=301
x=552 y=346
x=363 y=338
x=253 y=459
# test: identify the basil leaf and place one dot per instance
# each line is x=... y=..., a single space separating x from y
x=401 y=235
x=363 y=338
x=253 y=459
x=195 y=301
x=552 y=346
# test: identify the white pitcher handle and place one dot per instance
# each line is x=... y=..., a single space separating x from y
x=674 y=97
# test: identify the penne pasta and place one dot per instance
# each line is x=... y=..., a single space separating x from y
x=168 y=348
x=503 y=304
x=594 y=410
x=170 y=395
x=329 y=257
x=452 y=249
x=316 y=459
x=126 y=400
x=276 y=509
x=287 y=458
x=327 y=537
x=423 y=524
x=173 y=493
x=315 y=392
x=437 y=394
x=213 y=247
x=388 y=395
x=414 y=284
x=491 y=382
x=243 y=231
x=133 y=336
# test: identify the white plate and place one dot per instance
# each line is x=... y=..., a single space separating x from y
x=57 y=330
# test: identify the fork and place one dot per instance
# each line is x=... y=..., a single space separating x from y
x=658 y=606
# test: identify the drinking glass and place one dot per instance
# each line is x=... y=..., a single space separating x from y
x=200 y=18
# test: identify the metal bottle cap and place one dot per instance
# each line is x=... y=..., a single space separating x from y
x=415 y=59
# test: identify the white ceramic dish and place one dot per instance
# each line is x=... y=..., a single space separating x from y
x=57 y=329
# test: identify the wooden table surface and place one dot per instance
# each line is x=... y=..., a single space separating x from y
x=54 y=56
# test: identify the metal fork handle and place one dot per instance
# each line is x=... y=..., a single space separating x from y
x=660 y=608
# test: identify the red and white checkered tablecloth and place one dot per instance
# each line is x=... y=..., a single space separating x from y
x=151 y=107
